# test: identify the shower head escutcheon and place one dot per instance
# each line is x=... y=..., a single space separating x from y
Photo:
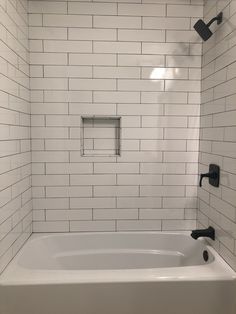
x=203 y=29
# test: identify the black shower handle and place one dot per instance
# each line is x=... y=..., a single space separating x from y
x=211 y=175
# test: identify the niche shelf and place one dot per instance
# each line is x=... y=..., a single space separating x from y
x=100 y=136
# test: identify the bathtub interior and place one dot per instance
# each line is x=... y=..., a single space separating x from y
x=106 y=251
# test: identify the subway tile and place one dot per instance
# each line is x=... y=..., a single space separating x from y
x=139 y=202
x=92 y=8
x=37 y=32
x=36 y=45
x=58 y=144
x=67 y=46
x=69 y=191
x=169 y=179
x=142 y=133
x=49 y=84
x=35 y=19
x=116 y=97
x=96 y=179
x=161 y=168
x=117 y=22
x=167 y=191
x=161 y=214
x=130 y=145
x=165 y=48
x=141 y=60
x=164 y=73
x=140 y=157
x=92 y=59
x=141 y=179
x=63 y=120
x=36 y=71
x=51 y=226
x=44 y=156
x=140 y=109
x=68 y=215
x=117 y=214
x=49 y=108
x=142 y=9
x=163 y=121
x=138 y=225
x=116 y=168
x=48 y=58
x=47 y=7
x=178 y=224
x=69 y=168
x=91 y=84
x=181 y=133
x=141 y=35
x=98 y=225
x=116 y=47
x=50 y=203
x=92 y=109
x=116 y=72
x=68 y=20
x=183 y=85
x=183 y=61
x=166 y=23
x=116 y=191
x=95 y=202
x=67 y=96
x=185 y=10
x=92 y=34
x=226 y=149
x=141 y=85
x=163 y=145
x=77 y=157
x=181 y=157
x=182 y=110
x=164 y=97
x=182 y=36
x=50 y=180
x=49 y=132
x=67 y=71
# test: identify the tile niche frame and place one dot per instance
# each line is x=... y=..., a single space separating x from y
x=101 y=118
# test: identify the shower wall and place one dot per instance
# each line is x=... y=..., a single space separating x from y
x=218 y=128
x=15 y=156
x=137 y=61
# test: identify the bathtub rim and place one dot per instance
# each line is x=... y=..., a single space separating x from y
x=14 y=274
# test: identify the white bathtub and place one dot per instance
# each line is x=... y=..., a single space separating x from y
x=117 y=273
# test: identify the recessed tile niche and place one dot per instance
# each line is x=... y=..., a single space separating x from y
x=100 y=136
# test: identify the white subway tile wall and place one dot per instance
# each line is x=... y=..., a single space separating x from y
x=15 y=155
x=217 y=207
x=138 y=60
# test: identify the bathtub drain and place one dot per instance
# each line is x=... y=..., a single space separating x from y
x=205 y=256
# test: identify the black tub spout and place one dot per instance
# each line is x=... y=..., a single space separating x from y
x=208 y=233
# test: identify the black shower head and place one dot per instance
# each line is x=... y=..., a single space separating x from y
x=203 y=29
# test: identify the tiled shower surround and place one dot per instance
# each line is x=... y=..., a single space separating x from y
x=218 y=129
x=115 y=115
x=15 y=156
x=137 y=61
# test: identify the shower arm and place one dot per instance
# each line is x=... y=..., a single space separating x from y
x=218 y=18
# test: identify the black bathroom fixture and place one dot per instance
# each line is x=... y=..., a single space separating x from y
x=203 y=29
x=208 y=233
x=213 y=175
